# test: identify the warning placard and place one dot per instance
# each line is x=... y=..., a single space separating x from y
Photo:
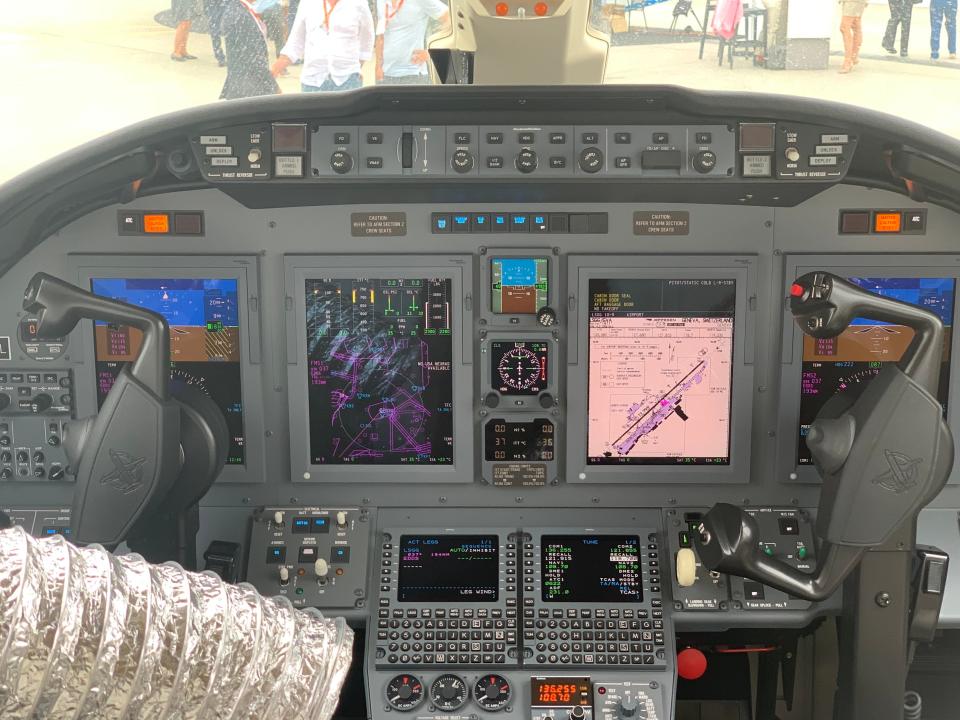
x=392 y=224
x=661 y=222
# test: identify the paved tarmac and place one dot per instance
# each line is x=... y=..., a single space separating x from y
x=73 y=71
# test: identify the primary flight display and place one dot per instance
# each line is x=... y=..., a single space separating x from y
x=203 y=314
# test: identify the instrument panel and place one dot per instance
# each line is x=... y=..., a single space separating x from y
x=483 y=376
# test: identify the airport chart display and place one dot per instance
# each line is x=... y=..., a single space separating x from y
x=380 y=379
x=847 y=363
x=660 y=371
x=204 y=340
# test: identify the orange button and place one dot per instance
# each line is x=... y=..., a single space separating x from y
x=887 y=222
x=159 y=223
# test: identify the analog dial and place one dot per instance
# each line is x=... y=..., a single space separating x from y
x=492 y=692
x=404 y=692
x=448 y=692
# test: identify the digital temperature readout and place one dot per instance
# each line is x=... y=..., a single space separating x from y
x=560 y=692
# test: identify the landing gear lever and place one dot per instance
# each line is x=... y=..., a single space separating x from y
x=882 y=459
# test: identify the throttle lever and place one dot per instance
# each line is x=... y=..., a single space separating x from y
x=882 y=459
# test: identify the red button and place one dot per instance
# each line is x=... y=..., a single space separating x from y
x=796 y=290
x=691 y=664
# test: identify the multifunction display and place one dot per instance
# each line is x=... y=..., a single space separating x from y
x=847 y=363
x=448 y=568
x=591 y=568
x=660 y=371
x=519 y=441
x=204 y=320
x=519 y=368
x=380 y=378
x=519 y=286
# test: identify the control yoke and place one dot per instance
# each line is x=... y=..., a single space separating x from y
x=882 y=458
x=153 y=449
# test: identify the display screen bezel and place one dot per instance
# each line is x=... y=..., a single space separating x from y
x=242 y=268
x=894 y=266
x=300 y=268
x=582 y=269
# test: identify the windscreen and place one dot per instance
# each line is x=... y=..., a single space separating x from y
x=113 y=63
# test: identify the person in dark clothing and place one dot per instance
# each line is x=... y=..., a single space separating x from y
x=901 y=12
x=213 y=9
x=245 y=40
x=272 y=14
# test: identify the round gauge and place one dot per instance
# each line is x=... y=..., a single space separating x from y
x=36 y=348
x=448 y=692
x=519 y=368
x=492 y=692
x=404 y=692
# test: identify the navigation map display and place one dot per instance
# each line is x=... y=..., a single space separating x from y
x=591 y=568
x=849 y=361
x=204 y=320
x=660 y=371
x=380 y=371
x=519 y=286
x=448 y=568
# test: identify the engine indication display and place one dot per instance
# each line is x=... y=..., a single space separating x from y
x=508 y=441
x=660 y=371
x=380 y=379
x=561 y=691
x=203 y=314
x=591 y=568
x=519 y=368
x=847 y=363
x=519 y=286
x=448 y=568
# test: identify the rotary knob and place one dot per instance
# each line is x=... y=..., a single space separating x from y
x=341 y=162
x=462 y=161
x=41 y=403
x=591 y=160
x=792 y=154
x=705 y=161
x=56 y=472
x=547 y=317
x=4 y=401
x=6 y=457
x=627 y=707
x=527 y=161
x=6 y=474
x=576 y=713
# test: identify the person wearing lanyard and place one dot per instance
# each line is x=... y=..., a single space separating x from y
x=401 y=36
x=334 y=38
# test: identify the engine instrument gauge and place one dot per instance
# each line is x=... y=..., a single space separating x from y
x=492 y=692
x=519 y=367
x=448 y=692
x=404 y=692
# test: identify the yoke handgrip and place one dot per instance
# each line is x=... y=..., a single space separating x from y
x=59 y=306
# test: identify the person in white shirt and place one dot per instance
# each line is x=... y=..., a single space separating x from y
x=401 y=34
x=334 y=38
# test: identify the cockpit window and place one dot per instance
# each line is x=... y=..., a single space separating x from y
x=76 y=71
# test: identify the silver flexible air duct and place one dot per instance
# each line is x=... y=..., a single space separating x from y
x=86 y=634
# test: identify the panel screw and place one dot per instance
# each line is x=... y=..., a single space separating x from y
x=883 y=599
x=294 y=501
x=671 y=501
x=271 y=224
x=443 y=499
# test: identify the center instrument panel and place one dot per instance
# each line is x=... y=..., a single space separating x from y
x=483 y=373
